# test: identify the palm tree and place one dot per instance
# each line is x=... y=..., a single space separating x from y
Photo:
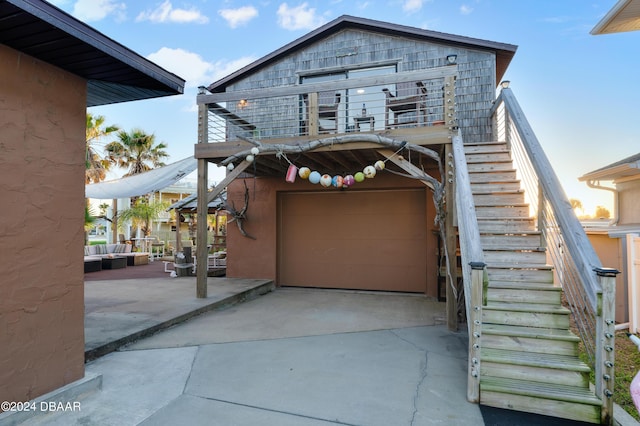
x=136 y=151
x=96 y=165
x=142 y=213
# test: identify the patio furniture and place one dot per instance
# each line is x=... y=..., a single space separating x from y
x=368 y=119
x=408 y=105
x=115 y=262
x=92 y=264
x=157 y=248
x=138 y=259
x=327 y=108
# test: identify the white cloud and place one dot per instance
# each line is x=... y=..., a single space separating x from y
x=193 y=68
x=298 y=18
x=240 y=16
x=466 y=10
x=412 y=5
x=96 y=10
x=224 y=68
x=165 y=12
x=58 y=3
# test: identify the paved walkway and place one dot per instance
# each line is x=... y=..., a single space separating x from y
x=290 y=357
x=120 y=311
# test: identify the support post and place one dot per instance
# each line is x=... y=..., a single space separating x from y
x=202 y=205
x=114 y=221
x=313 y=118
x=475 y=324
x=542 y=226
x=605 y=342
x=450 y=243
x=202 y=249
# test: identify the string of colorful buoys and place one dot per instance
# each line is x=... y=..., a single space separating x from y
x=325 y=180
x=336 y=181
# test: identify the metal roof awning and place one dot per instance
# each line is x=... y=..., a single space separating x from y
x=190 y=204
x=143 y=183
x=114 y=72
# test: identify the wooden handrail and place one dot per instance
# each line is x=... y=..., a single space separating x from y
x=577 y=242
x=471 y=254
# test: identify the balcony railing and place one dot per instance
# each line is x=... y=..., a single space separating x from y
x=402 y=100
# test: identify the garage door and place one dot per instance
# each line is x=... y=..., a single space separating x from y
x=366 y=240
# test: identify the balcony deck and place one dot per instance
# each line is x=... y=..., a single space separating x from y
x=418 y=109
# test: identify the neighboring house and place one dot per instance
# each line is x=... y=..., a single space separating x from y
x=418 y=108
x=610 y=241
x=624 y=16
x=165 y=226
x=53 y=67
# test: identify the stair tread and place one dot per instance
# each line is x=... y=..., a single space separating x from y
x=553 y=391
x=524 y=287
x=494 y=204
x=530 y=332
x=491 y=171
x=503 y=218
x=514 y=248
x=534 y=359
x=511 y=233
x=500 y=192
x=527 y=307
x=501 y=181
x=486 y=160
x=513 y=265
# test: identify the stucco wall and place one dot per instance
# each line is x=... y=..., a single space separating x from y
x=42 y=132
x=257 y=258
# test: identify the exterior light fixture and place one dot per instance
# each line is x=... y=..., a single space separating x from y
x=242 y=103
x=505 y=84
x=451 y=59
x=202 y=90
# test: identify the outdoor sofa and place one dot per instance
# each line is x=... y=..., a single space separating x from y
x=93 y=255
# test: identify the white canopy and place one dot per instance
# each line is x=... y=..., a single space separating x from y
x=143 y=183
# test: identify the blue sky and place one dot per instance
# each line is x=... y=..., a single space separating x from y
x=580 y=92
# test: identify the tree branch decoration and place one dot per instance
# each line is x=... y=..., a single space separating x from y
x=239 y=216
x=280 y=151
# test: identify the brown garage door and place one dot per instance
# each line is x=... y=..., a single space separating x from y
x=366 y=240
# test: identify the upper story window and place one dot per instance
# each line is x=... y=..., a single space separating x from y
x=345 y=110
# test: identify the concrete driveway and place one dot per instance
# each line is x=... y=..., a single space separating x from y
x=290 y=357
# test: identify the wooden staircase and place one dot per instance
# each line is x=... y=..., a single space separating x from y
x=529 y=357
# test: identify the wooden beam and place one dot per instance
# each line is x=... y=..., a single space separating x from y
x=202 y=251
x=423 y=136
x=312 y=114
x=406 y=166
x=450 y=243
x=203 y=207
x=225 y=182
x=334 y=85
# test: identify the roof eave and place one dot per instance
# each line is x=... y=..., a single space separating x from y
x=612 y=173
x=622 y=17
x=504 y=51
x=160 y=81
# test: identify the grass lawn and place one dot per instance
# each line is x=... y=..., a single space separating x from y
x=627 y=364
